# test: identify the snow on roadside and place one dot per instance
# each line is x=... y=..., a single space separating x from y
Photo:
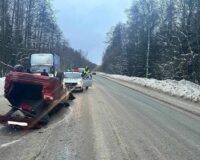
x=2 y=81
x=184 y=89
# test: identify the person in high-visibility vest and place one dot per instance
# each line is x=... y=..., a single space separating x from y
x=86 y=72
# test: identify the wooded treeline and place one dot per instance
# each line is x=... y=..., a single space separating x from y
x=161 y=39
x=29 y=26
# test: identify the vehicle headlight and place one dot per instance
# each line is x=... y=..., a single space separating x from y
x=79 y=84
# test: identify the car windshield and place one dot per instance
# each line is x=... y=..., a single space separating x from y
x=72 y=75
x=39 y=69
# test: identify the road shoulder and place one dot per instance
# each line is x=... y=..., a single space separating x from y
x=179 y=103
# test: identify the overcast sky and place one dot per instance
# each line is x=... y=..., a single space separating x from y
x=86 y=22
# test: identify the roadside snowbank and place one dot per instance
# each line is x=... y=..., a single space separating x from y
x=2 y=81
x=183 y=88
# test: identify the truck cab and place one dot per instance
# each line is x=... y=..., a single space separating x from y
x=48 y=61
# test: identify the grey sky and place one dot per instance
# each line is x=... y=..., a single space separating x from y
x=86 y=22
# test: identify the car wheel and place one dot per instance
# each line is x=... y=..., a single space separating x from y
x=71 y=96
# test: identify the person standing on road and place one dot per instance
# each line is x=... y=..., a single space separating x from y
x=86 y=72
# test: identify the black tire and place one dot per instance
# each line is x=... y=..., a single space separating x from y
x=66 y=104
x=87 y=88
x=71 y=96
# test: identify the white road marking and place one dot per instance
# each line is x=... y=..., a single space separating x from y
x=10 y=143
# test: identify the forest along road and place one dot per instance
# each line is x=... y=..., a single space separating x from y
x=109 y=121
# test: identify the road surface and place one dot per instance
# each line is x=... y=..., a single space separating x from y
x=109 y=121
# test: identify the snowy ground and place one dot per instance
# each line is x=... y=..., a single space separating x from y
x=2 y=86
x=183 y=88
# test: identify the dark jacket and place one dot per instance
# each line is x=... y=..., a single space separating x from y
x=44 y=74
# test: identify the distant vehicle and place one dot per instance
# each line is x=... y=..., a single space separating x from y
x=74 y=80
x=48 y=61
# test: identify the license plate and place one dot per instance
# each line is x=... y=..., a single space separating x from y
x=23 y=124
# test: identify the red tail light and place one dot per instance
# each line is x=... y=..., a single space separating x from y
x=26 y=107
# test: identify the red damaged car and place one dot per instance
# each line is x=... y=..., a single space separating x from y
x=33 y=95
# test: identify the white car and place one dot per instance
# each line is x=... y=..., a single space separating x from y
x=74 y=80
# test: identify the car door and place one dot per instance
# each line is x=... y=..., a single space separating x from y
x=84 y=82
x=88 y=80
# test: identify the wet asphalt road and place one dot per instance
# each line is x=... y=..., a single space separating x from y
x=109 y=121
